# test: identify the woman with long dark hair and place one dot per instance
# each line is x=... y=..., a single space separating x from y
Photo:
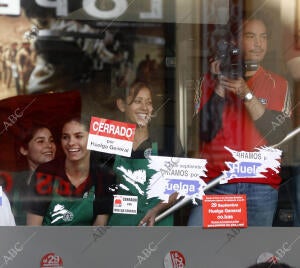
x=136 y=107
x=63 y=190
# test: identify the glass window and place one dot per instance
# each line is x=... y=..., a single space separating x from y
x=210 y=79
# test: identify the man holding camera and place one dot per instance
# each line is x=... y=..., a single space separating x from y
x=243 y=112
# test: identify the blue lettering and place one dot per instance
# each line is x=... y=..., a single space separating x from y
x=188 y=187
x=242 y=170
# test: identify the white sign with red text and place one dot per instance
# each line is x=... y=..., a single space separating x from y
x=111 y=136
x=125 y=204
x=224 y=211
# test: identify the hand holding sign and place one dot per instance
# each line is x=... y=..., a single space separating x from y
x=174 y=174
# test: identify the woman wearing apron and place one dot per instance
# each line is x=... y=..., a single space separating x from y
x=63 y=190
x=137 y=108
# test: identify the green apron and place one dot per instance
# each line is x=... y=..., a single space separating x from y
x=144 y=204
x=68 y=210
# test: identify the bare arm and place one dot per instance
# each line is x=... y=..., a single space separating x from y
x=240 y=88
x=273 y=125
x=33 y=219
x=101 y=220
x=149 y=218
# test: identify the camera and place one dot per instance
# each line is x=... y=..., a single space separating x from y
x=231 y=58
x=232 y=64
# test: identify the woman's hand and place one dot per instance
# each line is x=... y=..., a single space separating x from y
x=149 y=218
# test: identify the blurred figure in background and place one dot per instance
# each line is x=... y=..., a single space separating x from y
x=25 y=65
x=10 y=64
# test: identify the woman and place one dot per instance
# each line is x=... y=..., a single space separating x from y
x=64 y=189
x=137 y=108
x=36 y=146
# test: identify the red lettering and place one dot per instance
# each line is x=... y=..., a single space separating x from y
x=44 y=183
x=64 y=187
x=106 y=128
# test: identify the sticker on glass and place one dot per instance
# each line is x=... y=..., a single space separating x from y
x=125 y=204
x=252 y=164
x=174 y=259
x=175 y=174
x=51 y=260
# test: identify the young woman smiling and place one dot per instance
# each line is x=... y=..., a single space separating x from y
x=36 y=146
x=136 y=107
x=64 y=189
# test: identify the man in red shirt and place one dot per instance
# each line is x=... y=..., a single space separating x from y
x=244 y=113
